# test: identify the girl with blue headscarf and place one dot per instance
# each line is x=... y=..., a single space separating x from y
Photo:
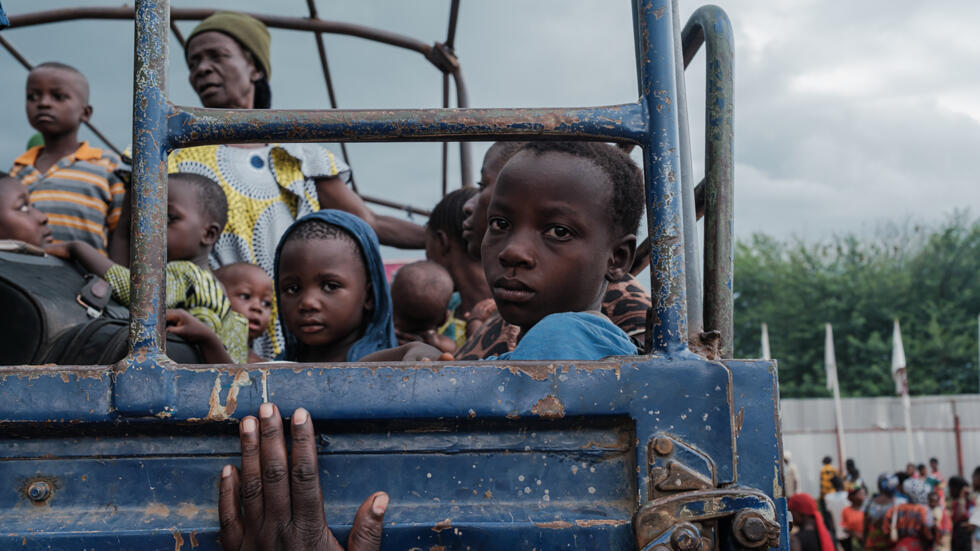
x=333 y=298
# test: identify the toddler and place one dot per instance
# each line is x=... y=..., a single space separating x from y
x=251 y=293
x=420 y=294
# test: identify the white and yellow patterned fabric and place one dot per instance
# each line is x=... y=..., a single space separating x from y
x=268 y=188
x=196 y=290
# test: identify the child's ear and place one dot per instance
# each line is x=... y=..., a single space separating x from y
x=621 y=258
x=87 y=113
x=211 y=234
x=442 y=239
x=369 y=299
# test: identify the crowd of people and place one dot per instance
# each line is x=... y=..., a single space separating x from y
x=272 y=256
x=915 y=509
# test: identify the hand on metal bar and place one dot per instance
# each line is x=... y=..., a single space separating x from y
x=275 y=502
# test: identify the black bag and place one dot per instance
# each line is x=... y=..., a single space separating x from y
x=49 y=314
x=105 y=341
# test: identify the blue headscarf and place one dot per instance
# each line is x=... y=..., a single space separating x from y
x=379 y=333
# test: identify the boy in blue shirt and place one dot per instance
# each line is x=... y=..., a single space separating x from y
x=560 y=226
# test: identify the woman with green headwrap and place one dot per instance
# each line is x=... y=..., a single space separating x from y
x=268 y=186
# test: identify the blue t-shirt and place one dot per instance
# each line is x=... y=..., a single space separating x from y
x=571 y=336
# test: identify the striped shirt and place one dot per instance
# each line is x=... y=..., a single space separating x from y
x=80 y=194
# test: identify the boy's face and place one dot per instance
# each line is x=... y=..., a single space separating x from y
x=933 y=499
x=189 y=232
x=549 y=245
x=221 y=73
x=57 y=101
x=18 y=218
x=323 y=292
x=250 y=291
x=475 y=225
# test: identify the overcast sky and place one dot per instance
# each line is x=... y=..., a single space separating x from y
x=846 y=114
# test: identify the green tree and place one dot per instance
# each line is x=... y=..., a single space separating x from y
x=927 y=278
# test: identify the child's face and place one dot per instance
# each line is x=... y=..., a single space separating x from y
x=187 y=227
x=57 y=102
x=549 y=245
x=323 y=293
x=18 y=218
x=933 y=499
x=250 y=292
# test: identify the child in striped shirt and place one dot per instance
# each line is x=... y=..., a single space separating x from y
x=71 y=182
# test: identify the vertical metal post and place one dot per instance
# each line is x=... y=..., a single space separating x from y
x=958 y=434
x=710 y=25
x=656 y=74
x=144 y=386
x=695 y=307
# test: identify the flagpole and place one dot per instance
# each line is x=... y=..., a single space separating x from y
x=900 y=374
x=830 y=361
x=766 y=355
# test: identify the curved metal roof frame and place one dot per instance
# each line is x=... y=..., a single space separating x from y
x=440 y=54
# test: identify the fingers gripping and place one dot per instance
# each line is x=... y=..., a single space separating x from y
x=307 y=500
x=230 y=510
x=365 y=534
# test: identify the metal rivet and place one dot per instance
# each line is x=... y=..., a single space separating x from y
x=39 y=491
x=663 y=446
x=686 y=537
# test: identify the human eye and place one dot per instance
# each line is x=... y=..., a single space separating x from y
x=330 y=285
x=244 y=296
x=558 y=232
x=32 y=96
x=498 y=223
x=267 y=304
x=290 y=289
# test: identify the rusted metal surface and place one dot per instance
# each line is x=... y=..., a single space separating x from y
x=199 y=126
x=710 y=25
x=144 y=383
x=667 y=327
x=692 y=269
x=196 y=14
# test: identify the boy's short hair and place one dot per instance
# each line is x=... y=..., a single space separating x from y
x=448 y=213
x=63 y=67
x=827 y=460
x=626 y=206
x=214 y=204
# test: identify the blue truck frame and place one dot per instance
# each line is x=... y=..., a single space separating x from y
x=668 y=451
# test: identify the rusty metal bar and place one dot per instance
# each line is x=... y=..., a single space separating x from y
x=692 y=271
x=196 y=14
x=395 y=205
x=445 y=145
x=325 y=67
x=710 y=25
x=191 y=126
x=27 y=65
x=465 y=154
x=144 y=383
x=667 y=326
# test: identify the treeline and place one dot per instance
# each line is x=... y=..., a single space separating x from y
x=926 y=277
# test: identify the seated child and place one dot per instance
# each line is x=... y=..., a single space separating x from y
x=561 y=225
x=73 y=183
x=251 y=293
x=420 y=294
x=196 y=213
x=331 y=292
x=18 y=218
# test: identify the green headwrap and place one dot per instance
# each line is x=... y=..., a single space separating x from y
x=247 y=30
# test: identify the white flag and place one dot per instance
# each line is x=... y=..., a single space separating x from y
x=766 y=355
x=898 y=362
x=830 y=359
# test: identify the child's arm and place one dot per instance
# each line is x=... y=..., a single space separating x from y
x=83 y=253
x=193 y=330
x=411 y=352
